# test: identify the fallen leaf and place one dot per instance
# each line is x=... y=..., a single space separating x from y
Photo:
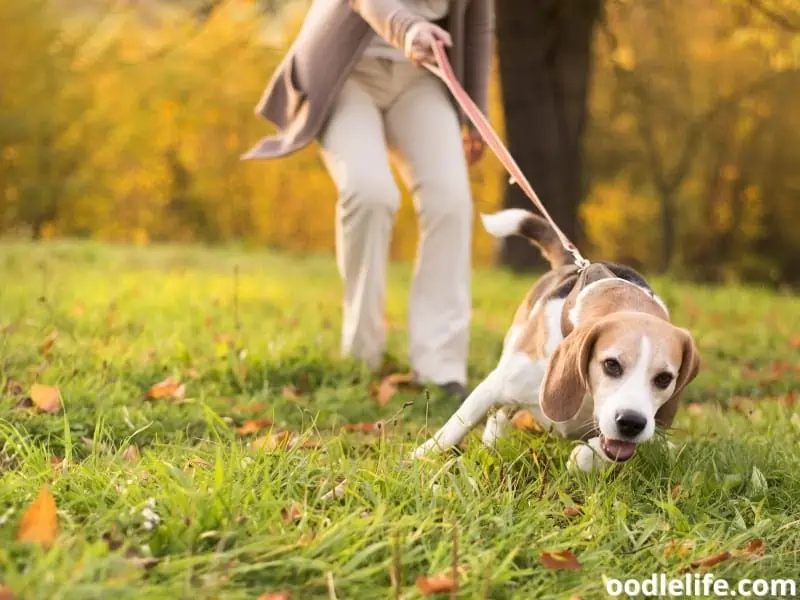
x=46 y=398
x=336 y=493
x=14 y=388
x=680 y=548
x=525 y=421
x=572 y=511
x=39 y=523
x=390 y=385
x=560 y=560
x=282 y=595
x=676 y=491
x=710 y=561
x=290 y=393
x=168 y=388
x=754 y=548
x=375 y=427
x=796 y=343
x=279 y=439
x=131 y=454
x=197 y=462
x=694 y=409
x=311 y=443
x=254 y=426
x=291 y=514
x=5 y=593
x=47 y=344
x=143 y=562
x=435 y=584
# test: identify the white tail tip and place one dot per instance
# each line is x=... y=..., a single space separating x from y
x=505 y=222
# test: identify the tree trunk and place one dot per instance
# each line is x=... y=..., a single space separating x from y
x=544 y=49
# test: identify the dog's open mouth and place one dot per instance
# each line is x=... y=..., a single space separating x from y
x=616 y=449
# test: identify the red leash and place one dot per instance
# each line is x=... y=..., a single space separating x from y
x=445 y=72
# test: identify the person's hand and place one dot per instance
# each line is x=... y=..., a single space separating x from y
x=473 y=145
x=420 y=40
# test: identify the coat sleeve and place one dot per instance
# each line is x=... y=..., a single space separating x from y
x=389 y=18
x=479 y=42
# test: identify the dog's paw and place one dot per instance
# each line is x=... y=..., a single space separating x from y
x=588 y=456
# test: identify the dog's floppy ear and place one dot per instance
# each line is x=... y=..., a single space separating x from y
x=566 y=380
x=690 y=365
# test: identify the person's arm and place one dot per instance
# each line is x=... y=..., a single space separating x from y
x=479 y=40
x=389 y=18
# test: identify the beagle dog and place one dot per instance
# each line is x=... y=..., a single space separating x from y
x=591 y=354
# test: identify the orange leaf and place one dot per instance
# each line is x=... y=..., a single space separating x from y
x=754 y=548
x=290 y=393
x=274 y=441
x=46 y=397
x=253 y=407
x=5 y=593
x=436 y=584
x=282 y=595
x=163 y=389
x=676 y=491
x=39 y=524
x=694 y=409
x=254 y=426
x=47 y=344
x=710 y=561
x=131 y=454
x=56 y=461
x=525 y=421
x=572 y=511
x=390 y=384
x=561 y=560
x=292 y=514
x=376 y=427
x=796 y=343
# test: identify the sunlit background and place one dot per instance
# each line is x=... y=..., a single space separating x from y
x=125 y=121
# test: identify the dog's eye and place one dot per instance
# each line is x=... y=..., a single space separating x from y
x=612 y=367
x=662 y=380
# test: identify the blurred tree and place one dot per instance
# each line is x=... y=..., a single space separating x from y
x=544 y=50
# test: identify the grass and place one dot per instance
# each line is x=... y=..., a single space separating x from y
x=127 y=319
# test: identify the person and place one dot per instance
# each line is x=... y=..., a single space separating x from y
x=354 y=80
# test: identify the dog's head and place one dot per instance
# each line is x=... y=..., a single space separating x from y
x=634 y=366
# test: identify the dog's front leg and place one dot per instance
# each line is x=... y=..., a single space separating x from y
x=586 y=457
x=496 y=427
x=474 y=408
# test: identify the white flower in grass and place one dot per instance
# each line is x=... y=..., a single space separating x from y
x=150 y=516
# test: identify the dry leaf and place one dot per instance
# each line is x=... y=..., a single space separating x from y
x=290 y=393
x=14 y=388
x=525 y=421
x=694 y=409
x=279 y=439
x=376 y=427
x=39 y=524
x=336 y=493
x=46 y=398
x=390 y=384
x=710 y=561
x=47 y=344
x=754 y=548
x=5 y=593
x=291 y=514
x=572 y=511
x=436 y=584
x=197 y=462
x=131 y=454
x=56 y=461
x=676 y=491
x=254 y=426
x=282 y=595
x=796 y=343
x=561 y=560
x=311 y=443
x=169 y=388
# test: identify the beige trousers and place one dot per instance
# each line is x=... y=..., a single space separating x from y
x=394 y=104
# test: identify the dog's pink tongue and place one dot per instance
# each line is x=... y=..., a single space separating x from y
x=618 y=450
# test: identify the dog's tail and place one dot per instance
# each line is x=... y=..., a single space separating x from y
x=517 y=221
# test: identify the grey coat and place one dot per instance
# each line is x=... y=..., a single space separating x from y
x=301 y=92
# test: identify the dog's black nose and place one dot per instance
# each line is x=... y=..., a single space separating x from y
x=630 y=423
